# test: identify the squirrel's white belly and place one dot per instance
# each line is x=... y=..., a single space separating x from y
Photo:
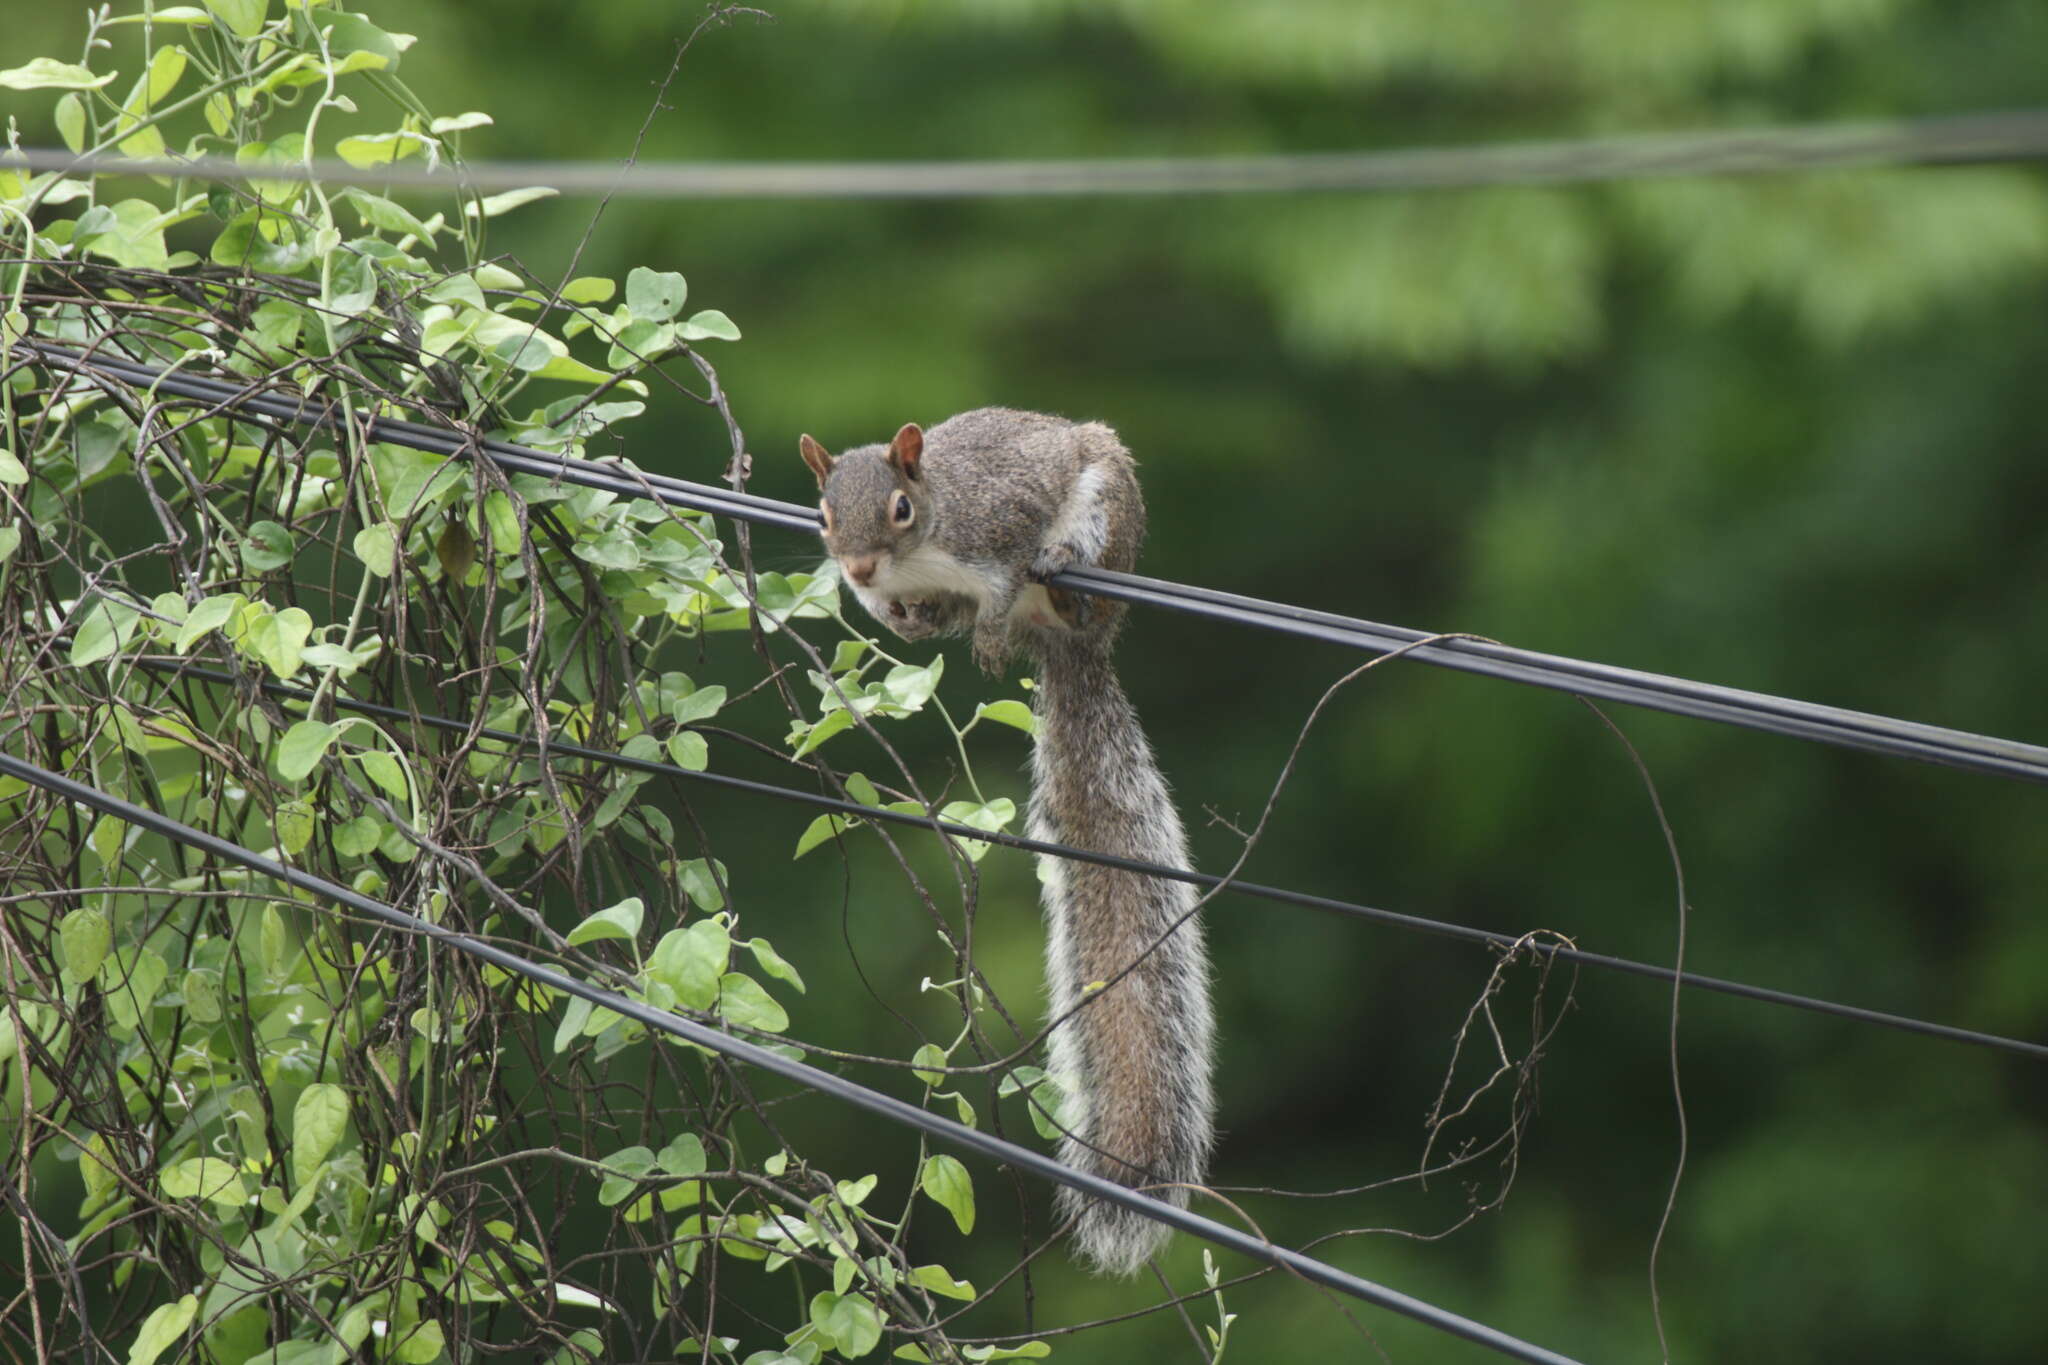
x=929 y=571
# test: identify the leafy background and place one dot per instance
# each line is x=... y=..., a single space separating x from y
x=1777 y=432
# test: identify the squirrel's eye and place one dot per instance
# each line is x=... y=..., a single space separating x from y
x=900 y=511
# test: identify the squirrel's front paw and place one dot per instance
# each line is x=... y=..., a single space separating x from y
x=911 y=619
x=1053 y=558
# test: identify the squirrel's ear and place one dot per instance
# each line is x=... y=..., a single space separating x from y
x=816 y=456
x=907 y=450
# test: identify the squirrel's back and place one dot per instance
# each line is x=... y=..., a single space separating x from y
x=1049 y=470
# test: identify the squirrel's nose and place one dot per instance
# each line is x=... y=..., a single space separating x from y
x=862 y=570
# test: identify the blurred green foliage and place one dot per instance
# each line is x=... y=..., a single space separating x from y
x=1778 y=432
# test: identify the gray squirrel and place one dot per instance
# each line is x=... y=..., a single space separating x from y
x=954 y=531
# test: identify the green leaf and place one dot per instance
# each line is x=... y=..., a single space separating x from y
x=773 y=963
x=85 y=936
x=654 y=295
x=275 y=324
x=1024 y=1350
x=744 y=1001
x=691 y=962
x=70 y=116
x=377 y=547
x=294 y=825
x=384 y=770
x=106 y=627
x=947 y=1182
x=1007 y=712
x=684 y=1156
x=632 y=1164
x=203 y=1177
x=253 y=241
x=166 y=68
x=509 y=200
x=386 y=215
x=211 y=614
x=700 y=705
x=527 y=354
x=166 y=14
x=571 y=370
x=278 y=639
x=848 y=653
x=457 y=123
x=132 y=989
x=47 y=73
x=358 y=837
x=318 y=1121
x=502 y=519
x=993 y=816
x=244 y=18
x=574 y=1016
x=690 y=751
x=589 y=289
x=910 y=686
x=851 y=1323
x=617 y=921
x=109 y=836
x=823 y=829
x=381 y=149
x=940 y=1281
x=615 y=549
x=131 y=233
x=161 y=1328
x=1046 y=1108
x=302 y=748
x=201 y=989
x=348 y=33
x=701 y=887
x=267 y=546
x=351 y=284
x=96 y=1169
x=334 y=656
x=709 y=325
x=423 y=1345
x=815 y=735
x=929 y=1056
x=10 y=541
x=12 y=471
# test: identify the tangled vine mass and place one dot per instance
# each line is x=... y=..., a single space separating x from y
x=244 y=1126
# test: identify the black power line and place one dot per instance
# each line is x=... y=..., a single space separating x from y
x=1636 y=687
x=824 y=1082
x=2016 y=135
x=1206 y=880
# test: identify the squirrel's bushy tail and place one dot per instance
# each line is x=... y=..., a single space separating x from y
x=1133 y=1062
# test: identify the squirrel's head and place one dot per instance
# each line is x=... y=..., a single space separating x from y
x=874 y=499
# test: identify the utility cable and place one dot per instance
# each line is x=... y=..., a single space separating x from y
x=1704 y=701
x=824 y=1082
x=2015 y=135
x=1207 y=881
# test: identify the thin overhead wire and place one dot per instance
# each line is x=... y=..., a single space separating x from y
x=1207 y=881
x=1655 y=691
x=824 y=1082
x=2014 y=135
